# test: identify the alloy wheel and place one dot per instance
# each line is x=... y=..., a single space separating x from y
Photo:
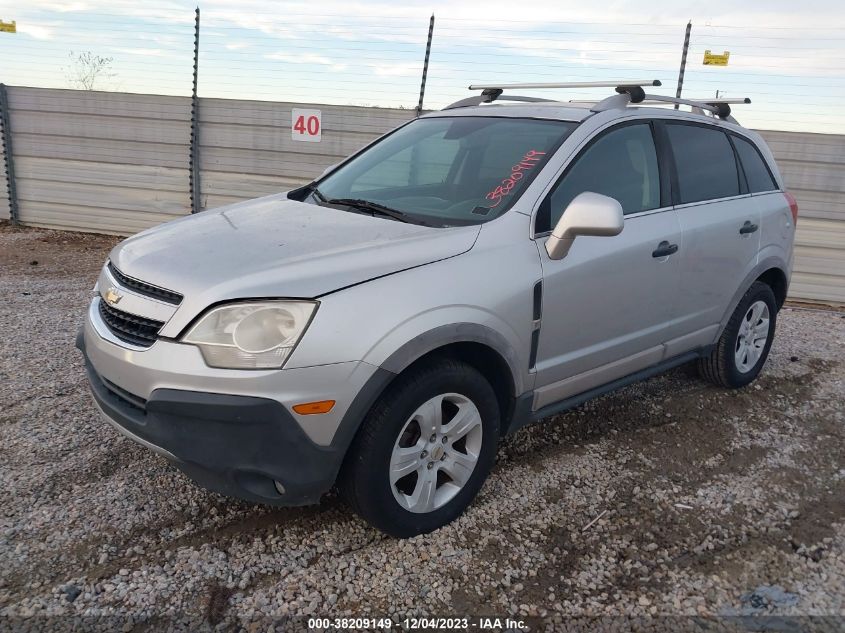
x=752 y=337
x=436 y=452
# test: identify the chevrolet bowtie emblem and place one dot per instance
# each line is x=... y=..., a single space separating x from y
x=113 y=297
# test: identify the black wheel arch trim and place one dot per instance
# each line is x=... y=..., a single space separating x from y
x=444 y=335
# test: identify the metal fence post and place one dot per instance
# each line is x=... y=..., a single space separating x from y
x=8 y=155
x=196 y=203
x=425 y=64
x=683 y=62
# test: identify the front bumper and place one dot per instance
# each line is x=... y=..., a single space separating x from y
x=236 y=445
x=172 y=365
x=223 y=428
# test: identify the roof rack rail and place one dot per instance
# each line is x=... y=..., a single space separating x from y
x=651 y=101
x=568 y=84
x=717 y=107
x=486 y=98
x=489 y=93
x=628 y=92
x=745 y=100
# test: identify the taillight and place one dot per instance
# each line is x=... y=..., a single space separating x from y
x=793 y=206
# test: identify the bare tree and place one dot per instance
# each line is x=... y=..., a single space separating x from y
x=88 y=71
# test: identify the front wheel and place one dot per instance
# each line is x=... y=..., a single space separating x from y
x=424 y=450
x=744 y=345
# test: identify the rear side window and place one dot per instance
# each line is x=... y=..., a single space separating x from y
x=756 y=173
x=705 y=162
x=622 y=164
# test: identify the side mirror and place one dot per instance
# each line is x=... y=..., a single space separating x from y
x=588 y=214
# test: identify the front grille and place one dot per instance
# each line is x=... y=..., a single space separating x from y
x=143 y=288
x=129 y=327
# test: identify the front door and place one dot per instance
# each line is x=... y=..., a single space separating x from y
x=610 y=304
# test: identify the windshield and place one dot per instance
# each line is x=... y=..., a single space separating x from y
x=449 y=170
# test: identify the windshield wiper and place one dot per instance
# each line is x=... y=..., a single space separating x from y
x=318 y=194
x=374 y=208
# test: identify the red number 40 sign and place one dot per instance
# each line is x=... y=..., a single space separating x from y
x=306 y=125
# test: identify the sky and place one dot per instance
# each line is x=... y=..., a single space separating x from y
x=789 y=58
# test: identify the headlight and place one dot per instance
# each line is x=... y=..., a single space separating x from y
x=254 y=335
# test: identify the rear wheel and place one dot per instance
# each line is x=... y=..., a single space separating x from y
x=744 y=345
x=424 y=450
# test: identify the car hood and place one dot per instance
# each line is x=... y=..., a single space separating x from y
x=275 y=247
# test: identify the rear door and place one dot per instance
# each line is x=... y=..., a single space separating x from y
x=719 y=224
x=777 y=226
x=610 y=303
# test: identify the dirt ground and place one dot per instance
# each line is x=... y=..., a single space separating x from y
x=667 y=500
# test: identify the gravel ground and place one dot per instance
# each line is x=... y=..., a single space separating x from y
x=711 y=502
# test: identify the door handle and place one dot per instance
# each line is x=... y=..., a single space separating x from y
x=664 y=249
x=747 y=228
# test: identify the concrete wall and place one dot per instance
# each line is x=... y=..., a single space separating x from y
x=246 y=148
x=118 y=163
x=813 y=166
x=99 y=161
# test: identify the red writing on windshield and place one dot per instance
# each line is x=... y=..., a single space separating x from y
x=528 y=161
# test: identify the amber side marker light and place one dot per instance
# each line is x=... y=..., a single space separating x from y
x=793 y=206
x=312 y=408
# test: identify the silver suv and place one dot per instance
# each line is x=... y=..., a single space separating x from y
x=477 y=269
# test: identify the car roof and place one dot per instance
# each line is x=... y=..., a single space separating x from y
x=552 y=110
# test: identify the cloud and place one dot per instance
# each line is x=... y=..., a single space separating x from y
x=306 y=58
x=396 y=69
x=147 y=52
x=36 y=31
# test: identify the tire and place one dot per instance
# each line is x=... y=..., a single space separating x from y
x=726 y=365
x=395 y=439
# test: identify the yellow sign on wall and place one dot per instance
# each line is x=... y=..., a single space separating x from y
x=8 y=27
x=714 y=59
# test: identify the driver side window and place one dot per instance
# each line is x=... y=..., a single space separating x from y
x=620 y=163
